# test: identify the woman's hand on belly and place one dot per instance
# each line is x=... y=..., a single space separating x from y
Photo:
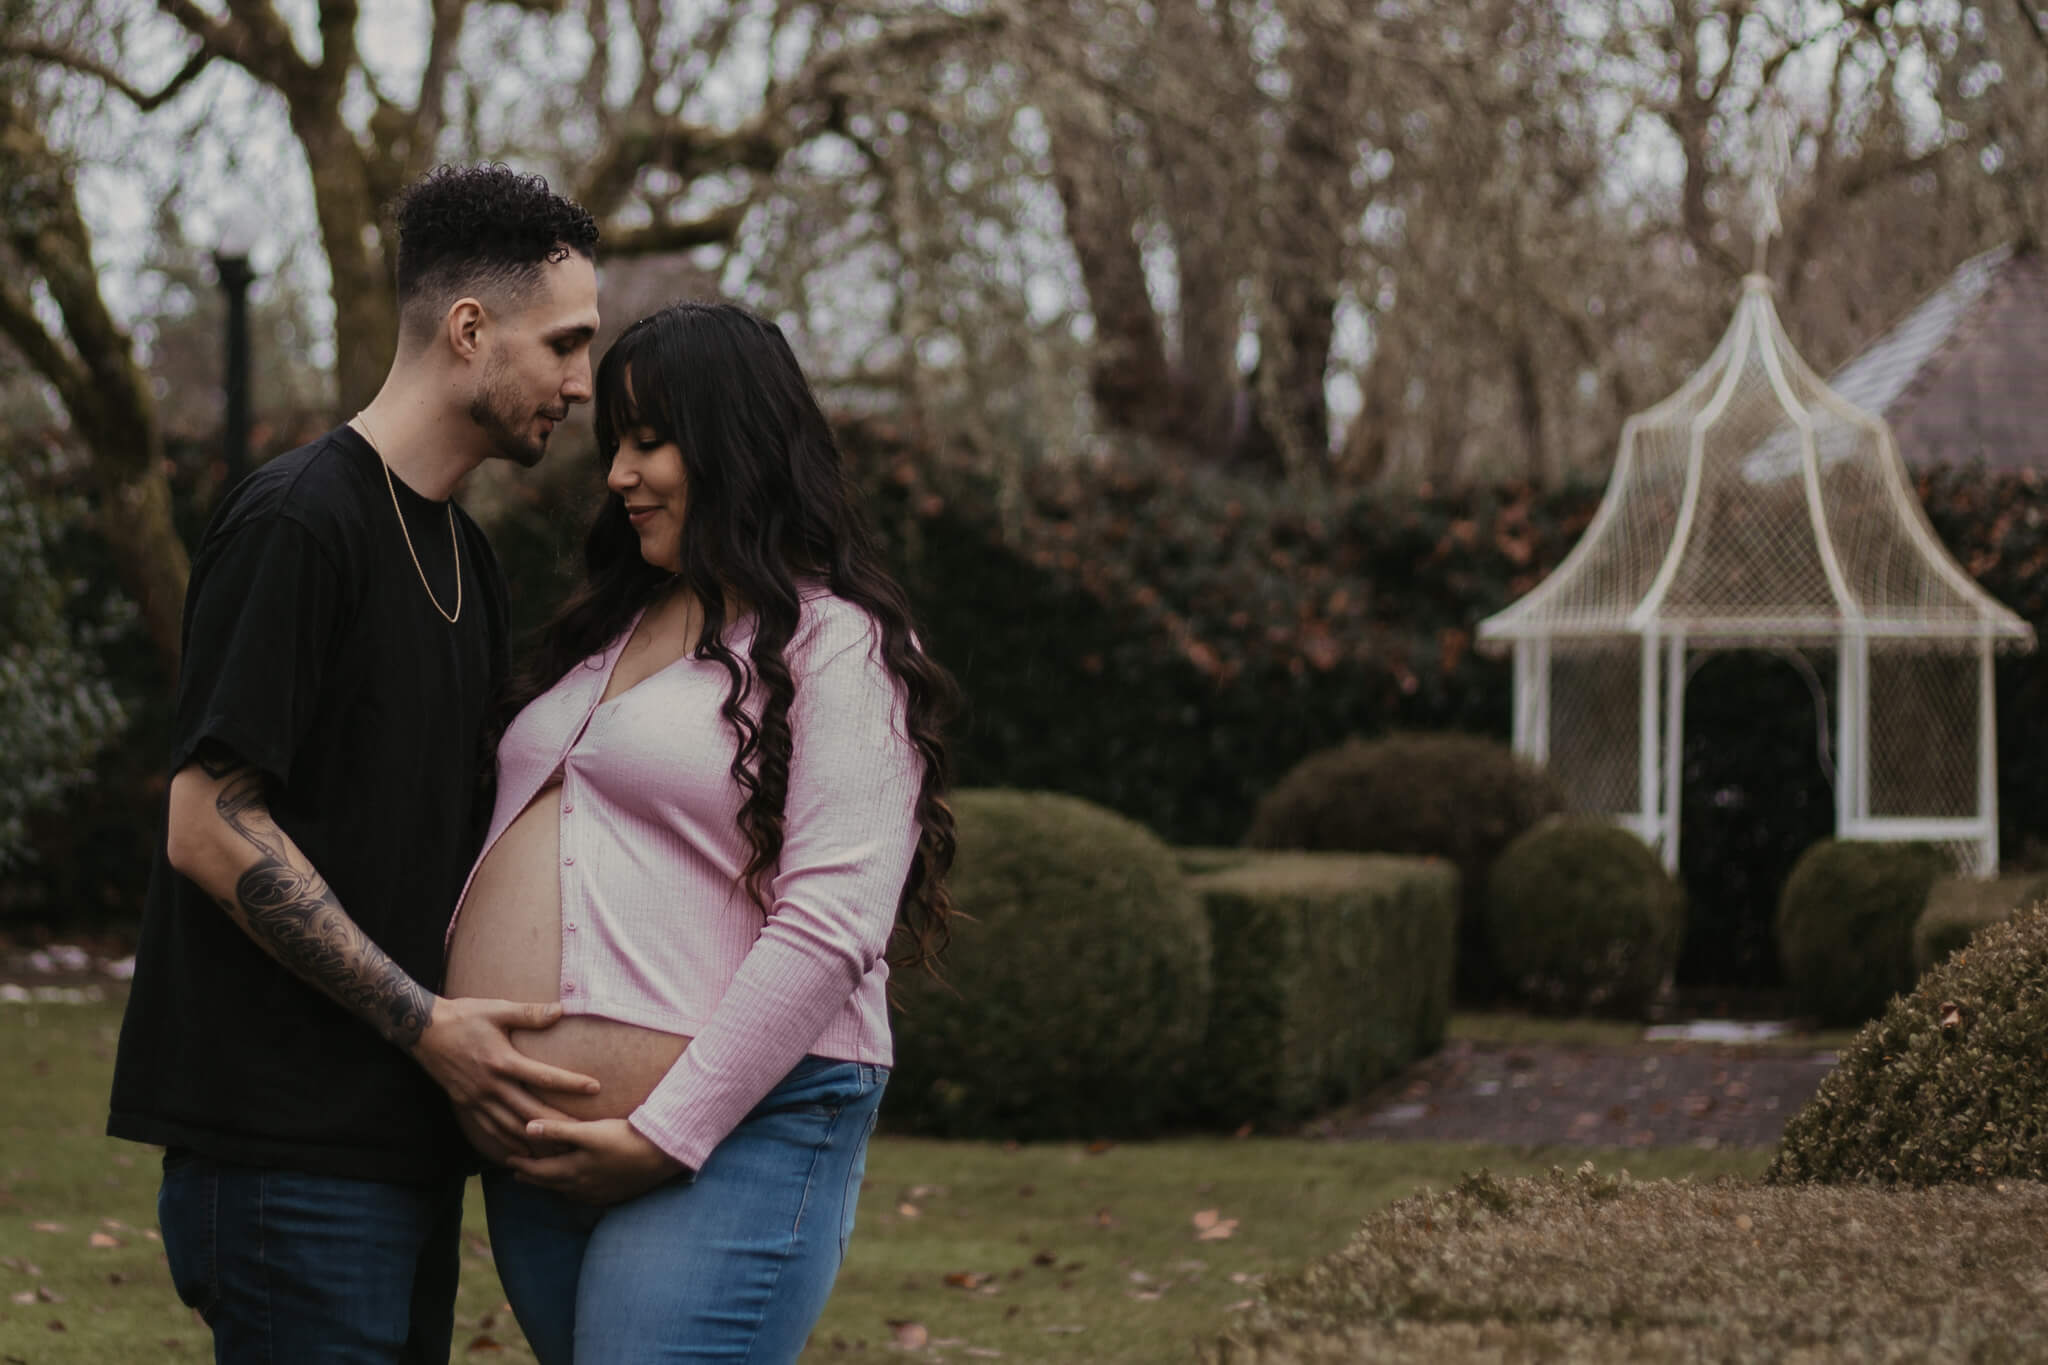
x=607 y=1161
x=498 y=1150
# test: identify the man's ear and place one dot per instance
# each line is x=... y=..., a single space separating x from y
x=464 y=325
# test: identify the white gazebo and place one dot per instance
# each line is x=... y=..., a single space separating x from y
x=1755 y=508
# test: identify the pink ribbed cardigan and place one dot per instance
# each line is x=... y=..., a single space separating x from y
x=656 y=929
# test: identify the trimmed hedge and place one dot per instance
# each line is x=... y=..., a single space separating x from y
x=1332 y=972
x=1845 y=924
x=1452 y=796
x=1958 y=907
x=1583 y=918
x=1595 y=1270
x=1949 y=1085
x=1076 y=988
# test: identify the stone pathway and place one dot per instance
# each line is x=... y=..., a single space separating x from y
x=1654 y=1094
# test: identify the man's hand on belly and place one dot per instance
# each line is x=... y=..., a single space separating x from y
x=608 y=1162
x=466 y=1047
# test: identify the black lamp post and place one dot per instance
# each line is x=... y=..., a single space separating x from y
x=231 y=264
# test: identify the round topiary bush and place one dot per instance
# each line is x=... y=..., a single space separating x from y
x=1948 y=1084
x=1583 y=918
x=1958 y=907
x=1462 y=798
x=1075 y=991
x=1845 y=924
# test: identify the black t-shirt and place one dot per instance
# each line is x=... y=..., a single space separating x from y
x=313 y=652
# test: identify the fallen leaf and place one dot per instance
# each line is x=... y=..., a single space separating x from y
x=1104 y=1218
x=26 y=1296
x=1216 y=1234
x=911 y=1336
x=909 y=1210
x=45 y=1294
x=967 y=1279
x=1099 y=1146
x=484 y=1342
x=47 y=1227
x=103 y=1240
x=1239 y=1306
x=1206 y=1219
x=1045 y=1258
x=152 y=1234
x=1244 y=1130
x=1064 y=1329
x=984 y=1353
x=57 y=1325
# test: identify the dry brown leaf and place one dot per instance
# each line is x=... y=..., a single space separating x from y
x=1226 y=1228
x=47 y=1227
x=967 y=1279
x=103 y=1240
x=911 y=1336
x=1206 y=1219
x=484 y=1343
x=1104 y=1218
x=909 y=1210
x=1099 y=1146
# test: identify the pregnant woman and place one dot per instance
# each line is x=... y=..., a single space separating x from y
x=719 y=805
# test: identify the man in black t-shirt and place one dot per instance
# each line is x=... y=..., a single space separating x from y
x=345 y=639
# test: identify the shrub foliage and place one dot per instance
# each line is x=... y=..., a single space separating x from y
x=1457 y=797
x=1076 y=988
x=1959 y=906
x=1845 y=924
x=1590 y=1270
x=1583 y=918
x=1332 y=972
x=1949 y=1084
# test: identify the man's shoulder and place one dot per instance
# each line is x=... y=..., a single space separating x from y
x=316 y=487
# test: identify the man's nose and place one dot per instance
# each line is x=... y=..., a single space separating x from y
x=577 y=388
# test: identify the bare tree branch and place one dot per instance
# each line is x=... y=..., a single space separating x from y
x=713 y=229
x=2034 y=22
x=143 y=100
x=252 y=36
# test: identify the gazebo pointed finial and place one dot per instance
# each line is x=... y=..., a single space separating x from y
x=1767 y=179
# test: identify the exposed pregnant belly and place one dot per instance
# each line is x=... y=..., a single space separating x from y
x=508 y=946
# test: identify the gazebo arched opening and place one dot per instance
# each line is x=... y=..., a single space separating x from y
x=1757 y=789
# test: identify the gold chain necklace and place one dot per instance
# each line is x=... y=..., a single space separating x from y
x=454 y=545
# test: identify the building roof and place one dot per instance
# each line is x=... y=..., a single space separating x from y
x=1964 y=376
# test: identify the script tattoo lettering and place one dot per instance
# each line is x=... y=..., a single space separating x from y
x=290 y=910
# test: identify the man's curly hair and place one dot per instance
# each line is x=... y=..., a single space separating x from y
x=472 y=229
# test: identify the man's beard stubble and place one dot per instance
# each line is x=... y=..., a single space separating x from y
x=499 y=415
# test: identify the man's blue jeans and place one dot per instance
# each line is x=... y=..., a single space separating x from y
x=733 y=1266
x=289 y=1268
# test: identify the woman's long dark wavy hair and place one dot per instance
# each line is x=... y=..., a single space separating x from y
x=768 y=502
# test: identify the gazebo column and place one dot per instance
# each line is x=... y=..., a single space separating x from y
x=1852 y=734
x=1987 y=756
x=1650 y=785
x=1532 y=699
x=1674 y=747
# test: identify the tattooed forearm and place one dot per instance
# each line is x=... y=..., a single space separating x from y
x=288 y=908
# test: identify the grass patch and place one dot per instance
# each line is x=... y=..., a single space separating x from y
x=1067 y=1238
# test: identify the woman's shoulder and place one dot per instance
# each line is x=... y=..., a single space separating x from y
x=828 y=624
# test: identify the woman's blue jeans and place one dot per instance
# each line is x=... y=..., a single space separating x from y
x=734 y=1265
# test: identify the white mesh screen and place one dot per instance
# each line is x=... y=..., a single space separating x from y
x=1596 y=723
x=1923 y=733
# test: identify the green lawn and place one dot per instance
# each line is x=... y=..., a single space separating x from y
x=1046 y=1252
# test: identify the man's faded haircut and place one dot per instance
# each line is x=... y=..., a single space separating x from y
x=479 y=231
